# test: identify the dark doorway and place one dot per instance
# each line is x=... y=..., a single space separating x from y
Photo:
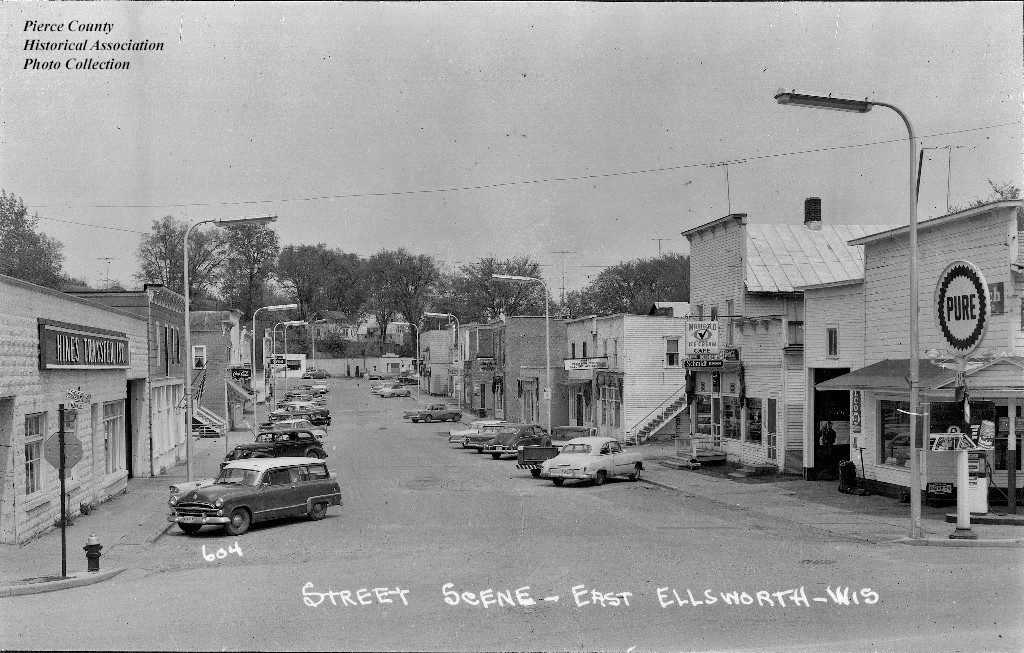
x=831 y=408
x=129 y=430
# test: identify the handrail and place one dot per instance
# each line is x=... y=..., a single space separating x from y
x=671 y=398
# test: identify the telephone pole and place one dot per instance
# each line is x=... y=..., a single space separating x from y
x=561 y=300
x=659 y=243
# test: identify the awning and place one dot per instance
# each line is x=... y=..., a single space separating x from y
x=1001 y=376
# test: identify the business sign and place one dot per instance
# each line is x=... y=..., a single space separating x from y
x=586 y=364
x=855 y=411
x=703 y=363
x=241 y=373
x=997 y=295
x=701 y=337
x=64 y=346
x=962 y=307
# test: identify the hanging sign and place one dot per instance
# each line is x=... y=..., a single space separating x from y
x=701 y=337
x=962 y=307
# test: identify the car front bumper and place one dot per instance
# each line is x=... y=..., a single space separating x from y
x=505 y=451
x=193 y=519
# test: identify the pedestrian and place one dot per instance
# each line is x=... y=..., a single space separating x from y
x=827 y=440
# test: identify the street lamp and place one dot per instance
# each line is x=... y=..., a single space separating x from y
x=225 y=222
x=278 y=307
x=547 y=331
x=863 y=106
x=450 y=317
x=286 y=325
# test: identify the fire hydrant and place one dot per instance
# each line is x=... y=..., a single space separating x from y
x=92 y=552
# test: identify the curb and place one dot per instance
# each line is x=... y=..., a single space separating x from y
x=78 y=579
x=1006 y=544
x=991 y=519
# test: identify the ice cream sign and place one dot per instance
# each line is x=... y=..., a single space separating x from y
x=962 y=307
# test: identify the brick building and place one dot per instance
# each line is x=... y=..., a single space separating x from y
x=219 y=343
x=520 y=372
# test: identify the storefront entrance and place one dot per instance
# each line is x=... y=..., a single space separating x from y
x=831 y=422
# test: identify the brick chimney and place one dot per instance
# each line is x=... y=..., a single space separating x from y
x=812 y=213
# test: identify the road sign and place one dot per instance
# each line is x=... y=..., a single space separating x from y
x=72 y=450
x=962 y=307
x=701 y=337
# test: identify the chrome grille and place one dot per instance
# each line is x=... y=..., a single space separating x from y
x=195 y=509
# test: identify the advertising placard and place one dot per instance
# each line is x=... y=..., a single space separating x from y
x=586 y=363
x=64 y=346
x=701 y=337
x=962 y=306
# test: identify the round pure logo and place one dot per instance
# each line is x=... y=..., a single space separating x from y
x=962 y=306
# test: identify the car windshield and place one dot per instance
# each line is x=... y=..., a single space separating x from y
x=494 y=429
x=576 y=448
x=236 y=476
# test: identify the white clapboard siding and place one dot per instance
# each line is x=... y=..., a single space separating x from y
x=649 y=382
x=841 y=307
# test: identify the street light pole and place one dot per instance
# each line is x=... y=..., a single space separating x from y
x=229 y=222
x=863 y=106
x=266 y=396
x=547 y=332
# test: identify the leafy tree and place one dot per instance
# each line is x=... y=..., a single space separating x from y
x=26 y=253
x=252 y=251
x=161 y=258
x=473 y=295
x=633 y=286
x=381 y=290
x=303 y=271
x=414 y=278
x=346 y=289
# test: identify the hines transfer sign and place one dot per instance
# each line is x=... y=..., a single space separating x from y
x=962 y=307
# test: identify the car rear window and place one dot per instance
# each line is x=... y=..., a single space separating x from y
x=317 y=472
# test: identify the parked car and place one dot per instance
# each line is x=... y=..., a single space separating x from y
x=302 y=397
x=248 y=491
x=458 y=436
x=393 y=390
x=316 y=415
x=408 y=378
x=512 y=437
x=294 y=424
x=434 y=413
x=379 y=376
x=316 y=389
x=592 y=458
x=314 y=373
x=480 y=439
x=280 y=444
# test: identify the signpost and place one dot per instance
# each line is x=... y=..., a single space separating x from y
x=962 y=307
x=64 y=452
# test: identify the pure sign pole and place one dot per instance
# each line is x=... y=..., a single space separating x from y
x=961 y=314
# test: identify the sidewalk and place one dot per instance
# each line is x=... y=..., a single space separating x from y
x=124 y=524
x=817 y=505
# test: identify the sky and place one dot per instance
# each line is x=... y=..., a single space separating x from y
x=577 y=134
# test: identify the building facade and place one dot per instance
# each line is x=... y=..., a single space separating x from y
x=521 y=371
x=54 y=343
x=220 y=342
x=435 y=370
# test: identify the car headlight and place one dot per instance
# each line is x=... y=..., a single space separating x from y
x=173 y=501
x=218 y=503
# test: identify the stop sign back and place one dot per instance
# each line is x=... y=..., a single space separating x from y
x=962 y=307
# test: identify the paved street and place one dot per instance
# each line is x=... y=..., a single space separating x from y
x=422 y=517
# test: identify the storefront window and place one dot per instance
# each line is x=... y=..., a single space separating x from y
x=731 y=417
x=34 y=429
x=894 y=432
x=754 y=418
x=702 y=408
x=113 y=435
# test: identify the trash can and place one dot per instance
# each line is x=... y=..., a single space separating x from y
x=847 y=476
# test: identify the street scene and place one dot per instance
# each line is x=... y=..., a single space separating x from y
x=512 y=326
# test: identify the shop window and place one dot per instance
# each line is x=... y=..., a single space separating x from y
x=35 y=426
x=731 y=417
x=754 y=420
x=702 y=408
x=113 y=435
x=894 y=432
x=832 y=341
x=672 y=351
x=770 y=427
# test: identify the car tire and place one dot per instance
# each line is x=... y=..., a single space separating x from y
x=240 y=522
x=601 y=477
x=535 y=473
x=457 y=417
x=495 y=455
x=315 y=453
x=414 y=420
x=428 y=418
x=318 y=511
x=635 y=474
x=190 y=529
x=558 y=481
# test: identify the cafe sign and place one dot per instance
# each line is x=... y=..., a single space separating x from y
x=64 y=346
x=962 y=307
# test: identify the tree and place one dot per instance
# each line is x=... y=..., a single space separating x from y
x=161 y=258
x=1000 y=192
x=26 y=253
x=381 y=290
x=473 y=295
x=346 y=289
x=414 y=280
x=305 y=271
x=252 y=251
x=633 y=286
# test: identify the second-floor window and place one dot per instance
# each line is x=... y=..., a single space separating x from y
x=573 y=350
x=729 y=338
x=832 y=341
x=584 y=350
x=672 y=351
x=698 y=311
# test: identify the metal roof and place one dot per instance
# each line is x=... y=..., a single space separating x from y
x=784 y=257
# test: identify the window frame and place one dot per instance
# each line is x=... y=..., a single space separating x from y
x=832 y=341
x=196 y=349
x=671 y=357
x=112 y=425
x=34 y=465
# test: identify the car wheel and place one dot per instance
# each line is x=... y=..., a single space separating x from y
x=428 y=418
x=240 y=522
x=318 y=511
x=315 y=453
x=190 y=528
x=414 y=420
x=495 y=455
x=457 y=417
x=558 y=481
x=601 y=477
x=535 y=473
x=635 y=474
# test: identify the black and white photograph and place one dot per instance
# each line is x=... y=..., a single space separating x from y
x=512 y=326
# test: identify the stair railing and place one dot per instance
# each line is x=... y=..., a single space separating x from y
x=635 y=429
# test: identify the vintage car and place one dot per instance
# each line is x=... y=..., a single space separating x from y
x=294 y=397
x=592 y=458
x=294 y=424
x=532 y=457
x=481 y=438
x=254 y=490
x=393 y=390
x=318 y=415
x=408 y=378
x=316 y=389
x=278 y=444
x=379 y=376
x=512 y=437
x=458 y=436
x=433 y=413
x=314 y=373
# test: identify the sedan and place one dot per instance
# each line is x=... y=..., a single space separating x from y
x=394 y=390
x=593 y=458
x=512 y=437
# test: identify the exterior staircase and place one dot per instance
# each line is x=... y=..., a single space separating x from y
x=657 y=418
x=206 y=423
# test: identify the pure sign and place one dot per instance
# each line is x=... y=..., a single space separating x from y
x=962 y=307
